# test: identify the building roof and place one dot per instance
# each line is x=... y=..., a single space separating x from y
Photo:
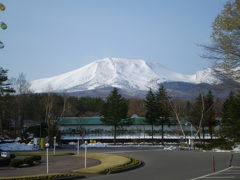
x=97 y=121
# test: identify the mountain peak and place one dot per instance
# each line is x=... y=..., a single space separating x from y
x=123 y=73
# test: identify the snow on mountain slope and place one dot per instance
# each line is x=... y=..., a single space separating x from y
x=128 y=74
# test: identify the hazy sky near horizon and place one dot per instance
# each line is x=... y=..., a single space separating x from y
x=46 y=38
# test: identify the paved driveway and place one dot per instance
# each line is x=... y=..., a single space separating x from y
x=172 y=165
x=57 y=164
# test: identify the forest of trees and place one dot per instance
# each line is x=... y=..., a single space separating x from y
x=19 y=105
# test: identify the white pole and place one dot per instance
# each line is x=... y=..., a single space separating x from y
x=78 y=147
x=47 y=145
x=191 y=136
x=191 y=131
x=85 y=164
x=47 y=160
x=54 y=145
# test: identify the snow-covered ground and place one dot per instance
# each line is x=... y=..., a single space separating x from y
x=133 y=136
x=17 y=147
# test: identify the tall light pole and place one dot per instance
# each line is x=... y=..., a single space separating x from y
x=85 y=164
x=191 y=138
x=78 y=143
x=54 y=145
x=47 y=145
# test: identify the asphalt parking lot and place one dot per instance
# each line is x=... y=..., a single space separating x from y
x=229 y=173
x=176 y=165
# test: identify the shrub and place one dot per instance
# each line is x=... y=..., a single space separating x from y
x=4 y=161
x=217 y=143
x=36 y=158
x=16 y=162
x=28 y=160
x=12 y=156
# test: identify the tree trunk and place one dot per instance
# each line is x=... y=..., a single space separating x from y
x=162 y=134
x=115 y=134
x=203 y=131
x=211 y=132
x=152 y=133
x=199 y=136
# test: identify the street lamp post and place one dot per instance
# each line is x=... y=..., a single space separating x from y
x=191 y=137
x=78 y=147
x=47 y=145
x=54 y=145
x=85 y=164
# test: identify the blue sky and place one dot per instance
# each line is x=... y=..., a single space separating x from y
x=46 y=38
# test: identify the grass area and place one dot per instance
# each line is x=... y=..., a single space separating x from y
x=108 y=162
x=41 y=153
x=133 y=162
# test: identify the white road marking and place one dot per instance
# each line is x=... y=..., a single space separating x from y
x=206 y=176
x=220 y=177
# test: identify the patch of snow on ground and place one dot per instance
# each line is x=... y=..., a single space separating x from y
x=171 y=148
x=220 y=150
x=17 y=147
x=98 y=144
x=237 y=149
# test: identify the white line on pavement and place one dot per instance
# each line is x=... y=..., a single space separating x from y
x=201 y=177
x=220 y=177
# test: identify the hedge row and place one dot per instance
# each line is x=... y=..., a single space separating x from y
x=29 y=161
x=4 y=161
x=42 y=177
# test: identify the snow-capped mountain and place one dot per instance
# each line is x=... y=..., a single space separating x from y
x=126 y=74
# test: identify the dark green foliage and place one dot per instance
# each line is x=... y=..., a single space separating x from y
x=4 y=85
x=4 y=161
x=12 y=156
x=195 y=114
x=16 y=162
x=114 y=110
x=36 y=158
x=4 y=89
x=151 y=110
x=37 y=131
x=230 y=125
x=163 y=108
x=28 y=161
x=210 y=113
x=49 y=176
x=217 y=143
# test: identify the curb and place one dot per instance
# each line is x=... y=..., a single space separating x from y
x=140 y=164
x=70 y=178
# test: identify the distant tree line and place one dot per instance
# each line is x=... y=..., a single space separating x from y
x=19 y=107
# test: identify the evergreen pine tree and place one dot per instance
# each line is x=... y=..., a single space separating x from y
x=230 y=125
x=151 y=110
x=114 y=111
x=4 y=85
x=4 y=89
x=210 y=113
x=163 y=108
